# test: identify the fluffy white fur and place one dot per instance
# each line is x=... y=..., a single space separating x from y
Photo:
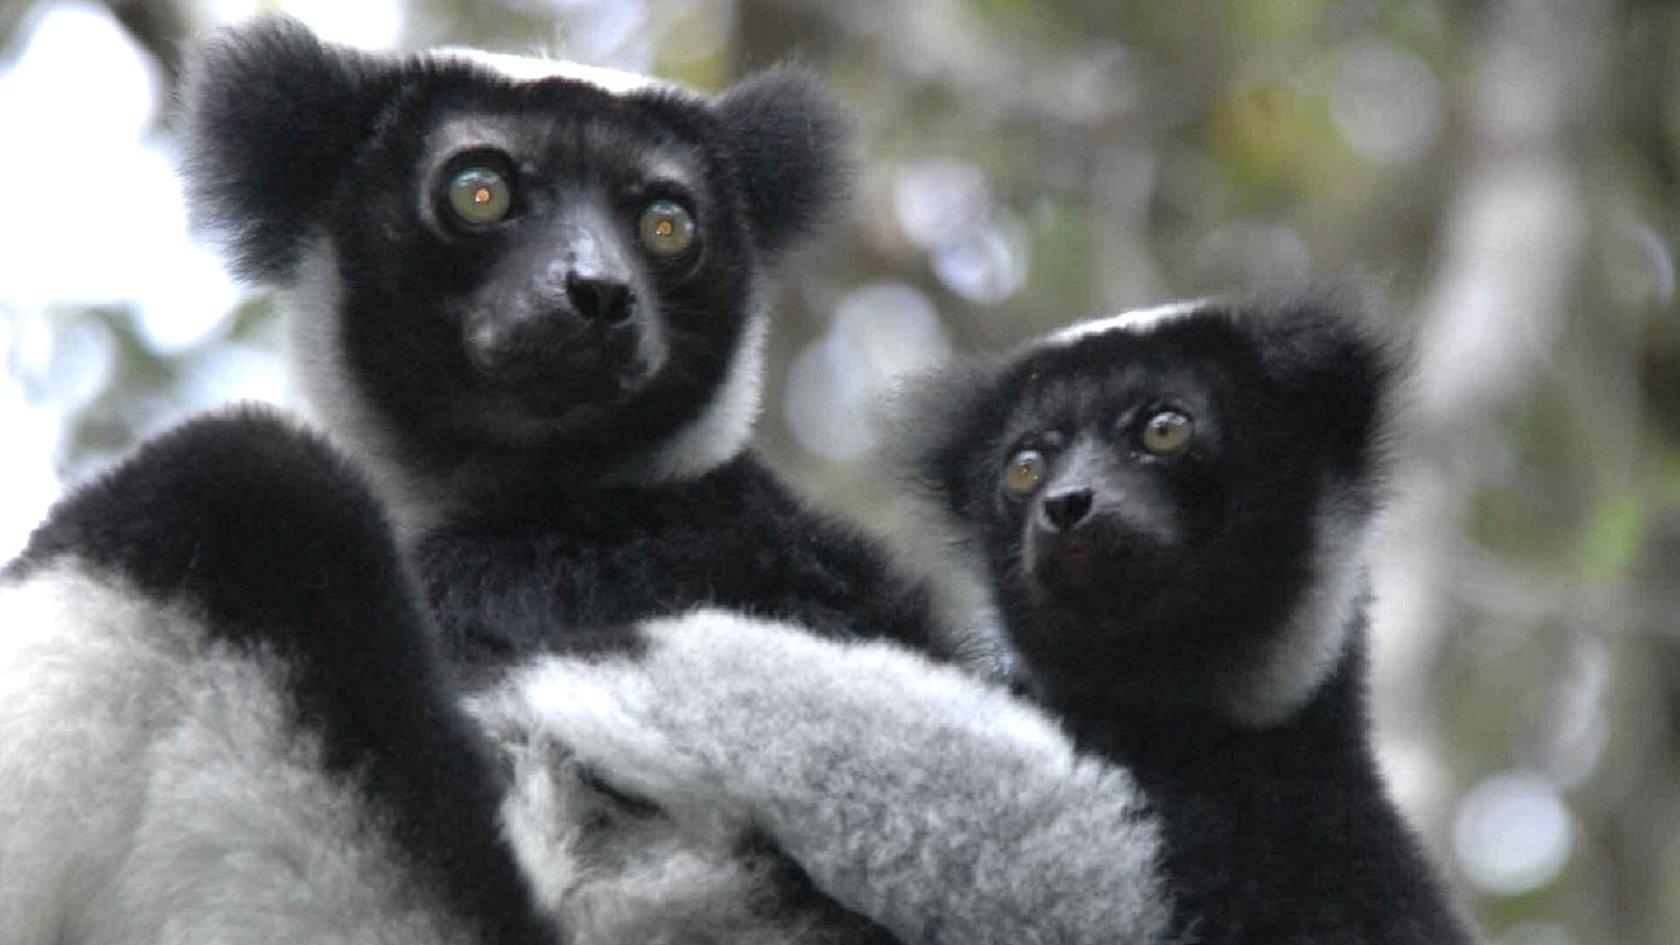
x=154 y=788
x=615 y=874
x=930 y=801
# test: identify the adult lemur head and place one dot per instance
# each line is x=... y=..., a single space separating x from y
x=1171 y=502
x=506 y=275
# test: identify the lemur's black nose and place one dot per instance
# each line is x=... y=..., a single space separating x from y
x=607 y=301
x=1064 y=511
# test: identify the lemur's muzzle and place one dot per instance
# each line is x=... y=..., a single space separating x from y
x=565 y=319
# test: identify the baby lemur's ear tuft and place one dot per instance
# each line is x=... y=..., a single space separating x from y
x=272 y=117
x=938 y=430
x=1331 y=356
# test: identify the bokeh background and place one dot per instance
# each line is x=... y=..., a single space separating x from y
x=1507 y=172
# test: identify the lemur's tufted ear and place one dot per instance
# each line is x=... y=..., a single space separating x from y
x=789 y=140
x=271 y=118
x=1332 y=359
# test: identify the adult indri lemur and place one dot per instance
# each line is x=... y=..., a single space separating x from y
x=531 y=299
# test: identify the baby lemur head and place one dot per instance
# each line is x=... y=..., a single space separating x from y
x=1171 y=503
x=506 y=276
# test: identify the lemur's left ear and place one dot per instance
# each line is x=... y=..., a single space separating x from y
x=1333 y=360
x=789 y=140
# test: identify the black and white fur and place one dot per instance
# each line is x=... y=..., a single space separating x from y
x=1199 y=616
x=223 y=718
x=578 y=476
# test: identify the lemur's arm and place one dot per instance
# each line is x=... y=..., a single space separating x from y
x=926 y=800
x=222 y=718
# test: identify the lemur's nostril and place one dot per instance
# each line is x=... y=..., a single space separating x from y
x=603 y=300
x=1064 y=511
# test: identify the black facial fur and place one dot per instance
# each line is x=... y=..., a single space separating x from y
x=547 y=346
x=1187 y=562
x=1196 y=613
x=274 y=539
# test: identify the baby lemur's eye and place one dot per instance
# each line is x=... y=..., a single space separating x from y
x=479 y=195
x=1168 y=432
x=1023 y=473
x=665 y=228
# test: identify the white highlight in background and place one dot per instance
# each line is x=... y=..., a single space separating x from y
x=880 y=332
x=98 y=213
x=1386 y=103
x=1512 y=834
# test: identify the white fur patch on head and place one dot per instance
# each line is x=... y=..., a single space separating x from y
x=1311 y=644
x=725 y=425
x=156 y=788
x=538 y=68
x=933 y=803
x=1137 y=320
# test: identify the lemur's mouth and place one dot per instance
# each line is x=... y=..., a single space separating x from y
x=1089 y=568
x=587 y=368
x=1069 y=564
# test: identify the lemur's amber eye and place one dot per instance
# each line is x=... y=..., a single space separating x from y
x=1023 y=473
x=1168 y=432
x=480 y=196
x=666 y=229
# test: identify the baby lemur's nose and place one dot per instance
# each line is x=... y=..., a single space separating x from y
x=606 y=301
x=1064 y=511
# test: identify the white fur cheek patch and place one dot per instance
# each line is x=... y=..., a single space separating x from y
x=1312 y=643
x=931 y=802
x=725 y=424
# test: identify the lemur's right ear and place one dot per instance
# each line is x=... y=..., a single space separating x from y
x=271 y=118
x=789 y=140
x=1328 y=354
